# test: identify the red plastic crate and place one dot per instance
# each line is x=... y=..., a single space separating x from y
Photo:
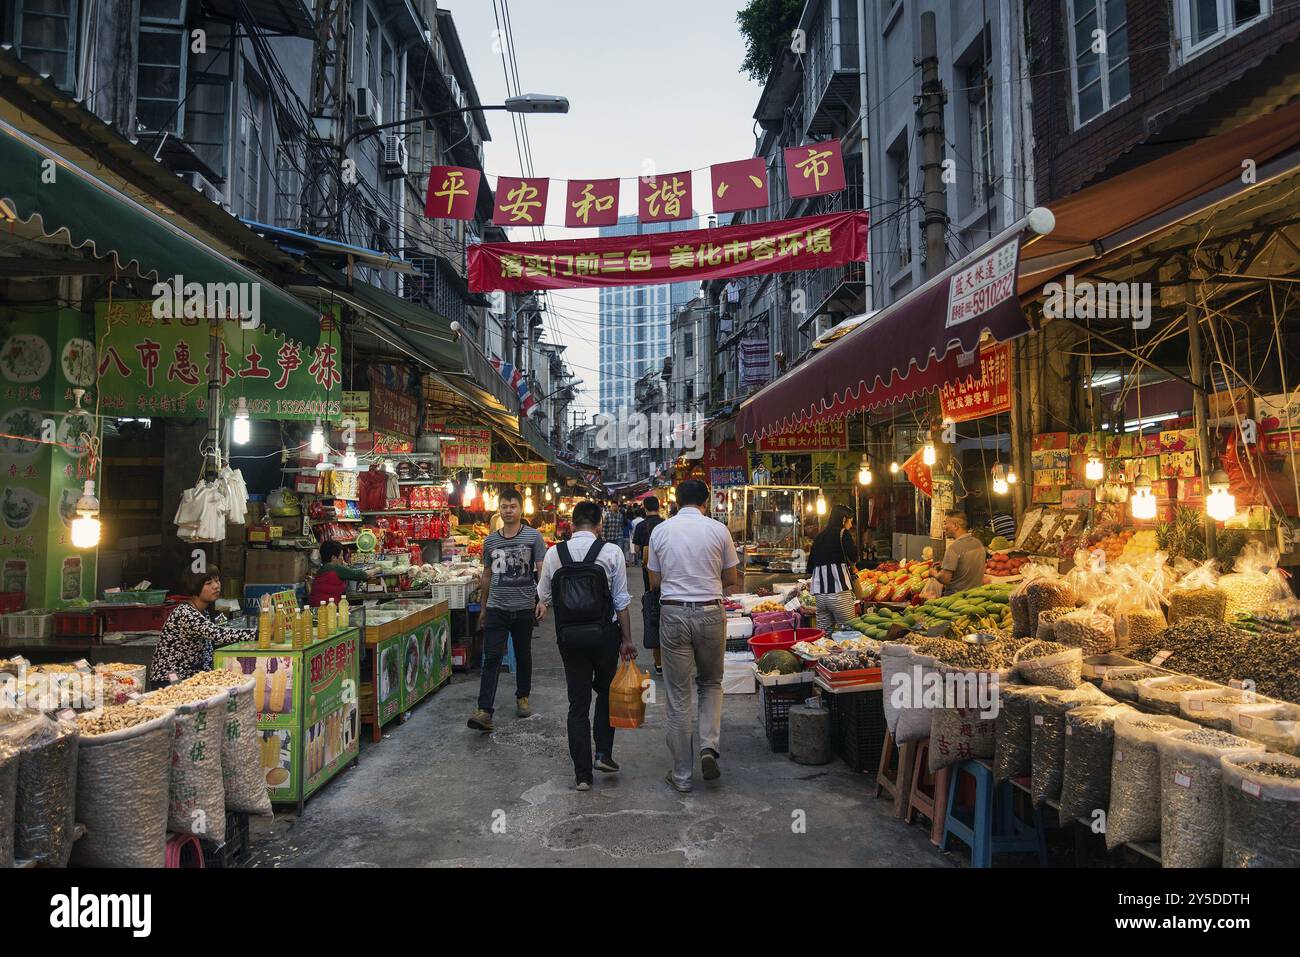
x=76 y=624
x=11 y=601
x=136 y=617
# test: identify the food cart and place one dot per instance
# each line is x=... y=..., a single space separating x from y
x=770 y=523
x=307 y=718
x=408 y=651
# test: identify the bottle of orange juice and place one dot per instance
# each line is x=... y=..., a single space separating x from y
x=277 y=627
x=264 y=627
x=344 y=612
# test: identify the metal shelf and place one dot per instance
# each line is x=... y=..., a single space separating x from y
x=413 y=511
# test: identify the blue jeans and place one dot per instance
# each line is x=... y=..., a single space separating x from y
x=500 y=625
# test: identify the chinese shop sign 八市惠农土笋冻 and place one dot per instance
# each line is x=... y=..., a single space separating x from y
x=809 y=242
x=155 y=367
x=829 y=435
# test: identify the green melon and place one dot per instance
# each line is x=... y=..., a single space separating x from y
x=782 y=662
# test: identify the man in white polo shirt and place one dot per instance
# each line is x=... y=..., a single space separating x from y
x=692 y=561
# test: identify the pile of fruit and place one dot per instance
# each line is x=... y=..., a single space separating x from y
x=895 y=581
x=975 y=609
x=1115 y=543
x=876 y=622
x=1140 y=545
x=763 y=606
x=1004 y=565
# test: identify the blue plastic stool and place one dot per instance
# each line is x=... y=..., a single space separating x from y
x=507 y=660
x=993 y=827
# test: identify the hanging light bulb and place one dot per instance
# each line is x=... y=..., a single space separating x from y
x=317 y=439
x=821 y=504
x=1220 y=504
x=86 y=527
x=1094 y=470
x=528 y=505
x=1142 y=503
x=1000 y=486
x=471 y=489
x=240 y=433
x=548 y=493
x=927 y=453
x=893 y=468
x=350 y=459
x=1011 y=476
x=808 y=508
x=390 y=467
x=864 y=471
x=449 y=486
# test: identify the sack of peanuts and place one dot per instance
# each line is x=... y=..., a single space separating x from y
x=241 y=767
x=123 y=774
x=197 y=795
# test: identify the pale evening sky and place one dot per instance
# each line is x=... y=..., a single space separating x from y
x=658 y=83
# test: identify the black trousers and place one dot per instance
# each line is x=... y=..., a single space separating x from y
x=587 y=670
x=498 y=626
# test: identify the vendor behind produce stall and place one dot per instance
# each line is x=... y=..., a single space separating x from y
x=189 y=636
x=963 y=560
x=831 y=562
x=330 y=582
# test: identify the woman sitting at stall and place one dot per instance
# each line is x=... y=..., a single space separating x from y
x=189 y=635
x=831 y=562
x=330 y=582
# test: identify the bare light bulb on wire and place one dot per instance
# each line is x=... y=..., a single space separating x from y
x=317 y=445
x=86 y=526
x=240 y=433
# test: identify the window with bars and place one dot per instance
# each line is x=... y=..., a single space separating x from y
x=207 y=105
x=44 y=34
x=1099 y=56
x=160 y=69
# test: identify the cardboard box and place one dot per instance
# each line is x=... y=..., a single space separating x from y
x=268 y=566
x=1076 y=498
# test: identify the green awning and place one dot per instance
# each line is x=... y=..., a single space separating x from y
x=106 y=222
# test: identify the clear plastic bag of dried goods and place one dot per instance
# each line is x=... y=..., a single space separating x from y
x=1212 y=707
x=1163 y=694
x=1275 y=724
x=1261 y=810
x=1121 y=683
x=1047 y=592
x=1255 y=584
x=123 y=770
x=1191 y=794
x=1134 y=814
x=1019 y=599
x=1087 y=628
x=1047 y=737
x=1138 y=613
x=1047 y=619
x=1089 y=740
x=45 y=800
x=1198 y=593
x=1049 y=663
x=1011 y=752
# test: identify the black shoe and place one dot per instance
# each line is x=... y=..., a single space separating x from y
x=659 y=670
x=608 y=765
x=709 y=764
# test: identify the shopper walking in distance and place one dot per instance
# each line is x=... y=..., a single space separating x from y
x=693 y=563
x=585 y=579
x=650 y=599
x=612 y=524
x=831 y=563
x=508 y=594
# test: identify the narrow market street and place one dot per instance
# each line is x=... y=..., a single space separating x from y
x=435 y=793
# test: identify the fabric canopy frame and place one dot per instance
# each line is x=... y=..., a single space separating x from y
x=107 y=222
x=909 y=347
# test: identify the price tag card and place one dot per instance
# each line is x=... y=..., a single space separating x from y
x=1182 y=780
x=1250 y=787
x=1161 y=657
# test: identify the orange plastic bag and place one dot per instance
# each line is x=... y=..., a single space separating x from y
x=626 y=706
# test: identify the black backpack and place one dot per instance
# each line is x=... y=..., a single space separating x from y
x=584 y=606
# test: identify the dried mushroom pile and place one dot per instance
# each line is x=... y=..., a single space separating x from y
x=1222 y=653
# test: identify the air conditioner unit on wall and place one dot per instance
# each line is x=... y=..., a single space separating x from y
x=393 y=157
x=200 y=182
x=368 y=106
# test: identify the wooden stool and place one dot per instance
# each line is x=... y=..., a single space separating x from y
x=929 y=793
x=895 y=772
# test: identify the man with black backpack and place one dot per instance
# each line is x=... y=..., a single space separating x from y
x=585 y=581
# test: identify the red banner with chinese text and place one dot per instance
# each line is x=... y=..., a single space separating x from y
x=787 y=245
x=985 y=389
x=829 y=435
x=919 y=474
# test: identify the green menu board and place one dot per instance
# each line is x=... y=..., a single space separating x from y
x=45 y=453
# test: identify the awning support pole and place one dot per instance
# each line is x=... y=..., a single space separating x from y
x=1200 y=406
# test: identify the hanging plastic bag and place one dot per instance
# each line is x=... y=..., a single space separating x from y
x=626 y=705
x=1019 y=599
x=1138 y=616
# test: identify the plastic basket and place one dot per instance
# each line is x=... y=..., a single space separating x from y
x=136 y=618
x=454 y=594
x=858 y=728
x=76 y=624
x=777 y=701
x=153 y=596
x=29 y=624
x=782 y=640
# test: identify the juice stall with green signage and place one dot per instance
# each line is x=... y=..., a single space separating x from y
x=408 y=644
x=308 y=718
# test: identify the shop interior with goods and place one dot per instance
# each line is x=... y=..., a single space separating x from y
x=1122 y=687
x=152 y=470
